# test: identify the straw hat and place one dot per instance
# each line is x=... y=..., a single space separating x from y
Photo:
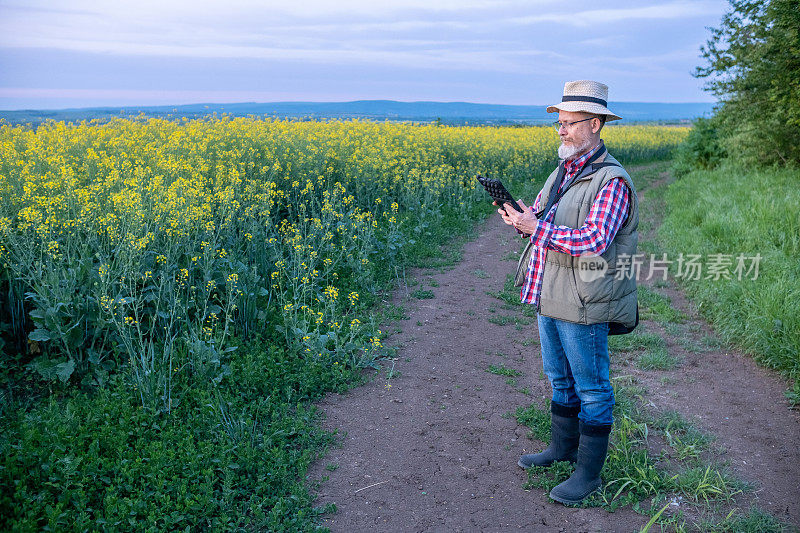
x=587 y=96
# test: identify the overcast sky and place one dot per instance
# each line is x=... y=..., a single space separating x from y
x=76 y=53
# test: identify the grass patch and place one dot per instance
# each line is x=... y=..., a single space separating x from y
x=744 y=212
x=636 y=341
x=422 y=294
x=395 y=312
x=656 y=306
x=657 y=359
x=503 y=370
x=707 y=484
x=686 y=441
x=537 y=419
x=509 y=294
x=754 y=520
x=653 y=348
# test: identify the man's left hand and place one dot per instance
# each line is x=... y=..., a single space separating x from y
x=524 y=222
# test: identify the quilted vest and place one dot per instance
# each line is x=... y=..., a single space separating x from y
x=573 y=289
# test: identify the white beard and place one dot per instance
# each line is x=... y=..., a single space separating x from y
x=569 y=152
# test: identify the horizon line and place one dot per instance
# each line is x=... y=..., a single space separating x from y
x=122 y=107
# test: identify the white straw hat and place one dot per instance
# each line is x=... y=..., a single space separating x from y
x=587 y=96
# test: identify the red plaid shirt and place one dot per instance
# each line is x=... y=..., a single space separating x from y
x=608 y=213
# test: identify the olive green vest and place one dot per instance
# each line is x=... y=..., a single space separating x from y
x=572 y=289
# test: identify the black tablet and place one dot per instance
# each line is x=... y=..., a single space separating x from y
x=498 y=192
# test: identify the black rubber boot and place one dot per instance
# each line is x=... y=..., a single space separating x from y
x=564 y=438
x=591 y=457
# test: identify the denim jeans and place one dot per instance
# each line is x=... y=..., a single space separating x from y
x=575 y=360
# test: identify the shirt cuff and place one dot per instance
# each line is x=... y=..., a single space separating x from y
x=542 y=233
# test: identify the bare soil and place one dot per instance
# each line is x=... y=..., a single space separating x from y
x=435 y=448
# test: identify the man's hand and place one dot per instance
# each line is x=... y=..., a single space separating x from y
x=525 y=222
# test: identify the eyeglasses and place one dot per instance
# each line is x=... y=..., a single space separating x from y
x=557 y=124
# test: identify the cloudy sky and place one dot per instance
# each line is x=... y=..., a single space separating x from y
x=76 y=53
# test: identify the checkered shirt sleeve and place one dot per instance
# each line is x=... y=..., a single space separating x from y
x=608 y=213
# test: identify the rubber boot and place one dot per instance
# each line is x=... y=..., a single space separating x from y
x=564 y=438
x=591 y=457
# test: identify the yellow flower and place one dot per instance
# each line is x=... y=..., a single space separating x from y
x=331 y=292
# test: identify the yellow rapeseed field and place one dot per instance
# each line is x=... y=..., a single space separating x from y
x=142 y=241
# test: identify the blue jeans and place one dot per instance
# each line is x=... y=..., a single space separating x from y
x=575 y=360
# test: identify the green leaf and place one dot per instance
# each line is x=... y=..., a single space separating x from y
x=65 y=370
x=94 y=357
x=44 y=367
x=39 y=335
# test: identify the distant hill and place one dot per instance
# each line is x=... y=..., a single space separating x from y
x=446 y=112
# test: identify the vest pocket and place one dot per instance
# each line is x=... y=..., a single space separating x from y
x=559 y=297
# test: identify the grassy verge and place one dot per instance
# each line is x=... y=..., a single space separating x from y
x=731 y=212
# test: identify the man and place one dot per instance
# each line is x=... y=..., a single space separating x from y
x=582 y=227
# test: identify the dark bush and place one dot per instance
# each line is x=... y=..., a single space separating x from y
x=702 y=148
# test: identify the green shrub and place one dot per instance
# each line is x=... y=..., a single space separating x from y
x=702 y=148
